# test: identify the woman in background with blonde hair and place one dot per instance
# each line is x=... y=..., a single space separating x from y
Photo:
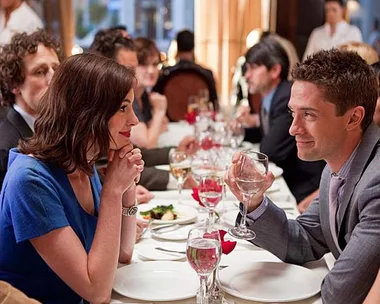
x=364 y=50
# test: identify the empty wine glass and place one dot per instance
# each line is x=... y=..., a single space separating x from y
x=237 y=133
x=250 y=175
x=180 y=167
x=211 y=193
x=203 y=251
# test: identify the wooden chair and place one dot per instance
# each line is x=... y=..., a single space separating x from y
x=179 y=84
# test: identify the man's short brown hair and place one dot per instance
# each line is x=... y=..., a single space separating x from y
x=344 y=79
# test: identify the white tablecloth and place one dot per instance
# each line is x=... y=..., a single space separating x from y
x=244 y=251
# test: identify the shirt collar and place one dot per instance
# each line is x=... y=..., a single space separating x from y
x=267 y=100
x=339 y=27
x=29 y=119
x=343 y=172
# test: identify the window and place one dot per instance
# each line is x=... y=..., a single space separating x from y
x=159 y=20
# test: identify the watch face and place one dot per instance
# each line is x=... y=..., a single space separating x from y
x=132 y=211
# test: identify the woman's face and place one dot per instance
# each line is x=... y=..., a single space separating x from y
x=147 y=74
x=121 y=123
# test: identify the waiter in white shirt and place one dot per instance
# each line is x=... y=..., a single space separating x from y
x=334 y=32
x=17 y=17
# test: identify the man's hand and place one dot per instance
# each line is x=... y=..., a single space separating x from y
x=140 y=226
x=230 y=179
x=189 y=183
x=305 y=203
x=247 y=119
x=188 y=145
x=143 y=195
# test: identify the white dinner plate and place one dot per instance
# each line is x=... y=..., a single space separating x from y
x=163 y=167
x=178 y=234
x=157 y=281
x=149 y=251
x=270 y=282
x=185 y=214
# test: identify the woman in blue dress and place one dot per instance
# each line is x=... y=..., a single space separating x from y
x=61 y=233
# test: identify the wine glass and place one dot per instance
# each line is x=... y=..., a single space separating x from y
x=203 y=163
x=180 y=167
x=250 y=178
x=211 y=193
x=203 y=251
x=237 y=133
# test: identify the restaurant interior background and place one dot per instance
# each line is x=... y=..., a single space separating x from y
x=221 y=26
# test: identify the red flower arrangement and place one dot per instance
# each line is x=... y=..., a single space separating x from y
x=191 y=117
x=227 y=246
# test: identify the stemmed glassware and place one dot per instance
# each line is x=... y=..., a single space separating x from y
x=237 y=133
x=203 y=251
x=180 y=167
x=210 y=191
x=250 y=174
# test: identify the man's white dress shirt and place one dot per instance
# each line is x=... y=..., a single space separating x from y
x=321 y=39
x=22 y=19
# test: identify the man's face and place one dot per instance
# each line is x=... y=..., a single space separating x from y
x=334 y=12
x=259 y=79
x=127 y=58
x=38 y=68
x=319 y=133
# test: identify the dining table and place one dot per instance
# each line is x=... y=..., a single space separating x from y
x=235 y=264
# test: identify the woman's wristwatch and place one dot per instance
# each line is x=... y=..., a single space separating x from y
x=130 y=211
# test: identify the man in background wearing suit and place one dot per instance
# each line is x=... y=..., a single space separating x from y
x=332 y=103
x=26 y=68
x=267 y=68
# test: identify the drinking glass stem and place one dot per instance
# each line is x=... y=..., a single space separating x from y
x=179 y=186
x=203 y=289
x=211 y=214
x=243 y=226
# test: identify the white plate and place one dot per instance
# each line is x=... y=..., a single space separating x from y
x=157 y=281
x=270 y=282
x=163 y=167
x=149 y=252
x=179 y=234
x=277 y=171
x=185 y=214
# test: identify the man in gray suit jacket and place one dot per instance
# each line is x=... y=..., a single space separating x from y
x=332 y=103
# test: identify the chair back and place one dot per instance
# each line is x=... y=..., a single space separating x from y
x=178 y=84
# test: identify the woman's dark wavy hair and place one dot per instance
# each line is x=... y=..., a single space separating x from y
x=108 y=42
x=85 y=92
x=145 y=48
x=11 y=60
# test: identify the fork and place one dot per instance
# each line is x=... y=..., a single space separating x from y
x=169 y=250
x=147 y=227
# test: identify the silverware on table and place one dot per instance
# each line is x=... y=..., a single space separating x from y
x=169 y=250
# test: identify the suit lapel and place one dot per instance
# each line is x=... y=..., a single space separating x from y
x=370 y=139
x=19 y=123
x=324 y=211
